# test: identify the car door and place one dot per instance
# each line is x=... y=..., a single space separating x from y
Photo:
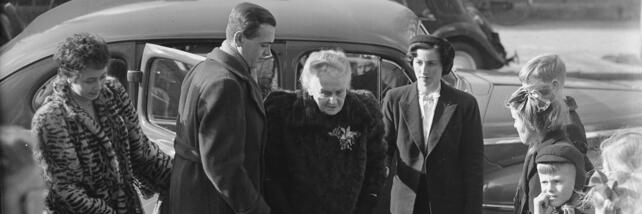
x=163 y=70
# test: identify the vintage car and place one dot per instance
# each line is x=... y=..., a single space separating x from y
x=154 y=43
x=15 y=15
x=477 y=45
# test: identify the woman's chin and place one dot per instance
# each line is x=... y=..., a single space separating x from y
x=332 y=111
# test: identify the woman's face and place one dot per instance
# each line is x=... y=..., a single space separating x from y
x=88 y=83
x=524 y=133
x=329 y=93
x=427 y=66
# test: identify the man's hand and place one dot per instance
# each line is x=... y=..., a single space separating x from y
x=542 y=204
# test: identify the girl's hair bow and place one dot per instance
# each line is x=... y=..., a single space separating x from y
x=541 y=103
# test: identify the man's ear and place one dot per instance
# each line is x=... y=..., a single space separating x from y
x=238 y=39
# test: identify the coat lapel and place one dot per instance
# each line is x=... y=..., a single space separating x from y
x=242 y=70
x=412 y=116
x=444 y=111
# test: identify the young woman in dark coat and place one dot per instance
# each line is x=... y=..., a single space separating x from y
x=325 y=152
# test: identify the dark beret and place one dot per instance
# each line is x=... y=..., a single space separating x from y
x=564 y=153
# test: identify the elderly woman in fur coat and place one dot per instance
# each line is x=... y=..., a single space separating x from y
x=325 y=152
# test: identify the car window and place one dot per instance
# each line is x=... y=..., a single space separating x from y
x=267 y=75
x=166 y=77
x=42 y=93
x=392 y=76
x=370 y=72
x=266 y=72
x=365 y=71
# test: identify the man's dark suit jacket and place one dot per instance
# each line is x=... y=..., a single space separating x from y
x=450 y=163
x=219 y=142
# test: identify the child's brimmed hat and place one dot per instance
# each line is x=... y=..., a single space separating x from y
x=564 y=153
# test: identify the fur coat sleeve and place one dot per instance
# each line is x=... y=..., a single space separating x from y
x=150 y=165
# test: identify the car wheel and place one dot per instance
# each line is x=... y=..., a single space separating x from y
x=466 y=57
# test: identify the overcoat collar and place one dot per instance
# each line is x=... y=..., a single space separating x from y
x=411 y=115
x=241 y=69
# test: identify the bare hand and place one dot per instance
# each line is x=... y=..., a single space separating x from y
x=570 y=103
x=542 y=205
x=567 y=209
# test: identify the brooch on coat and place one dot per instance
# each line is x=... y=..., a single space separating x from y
x=345 y=136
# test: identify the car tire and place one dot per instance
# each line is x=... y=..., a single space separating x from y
x=467 y=57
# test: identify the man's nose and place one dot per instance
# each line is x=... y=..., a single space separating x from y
x=266 y=53
x=422 y=69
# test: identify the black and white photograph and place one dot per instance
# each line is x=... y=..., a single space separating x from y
x=320 y=106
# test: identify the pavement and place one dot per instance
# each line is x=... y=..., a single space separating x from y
x=594 y=49
x=586 y=9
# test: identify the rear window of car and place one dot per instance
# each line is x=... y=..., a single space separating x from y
x=370 y=72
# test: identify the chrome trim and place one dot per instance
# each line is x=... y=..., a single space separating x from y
x=498 y=207
x=589 y=135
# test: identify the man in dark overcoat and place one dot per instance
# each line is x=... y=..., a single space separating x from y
x=434 y=136
x=221 y=129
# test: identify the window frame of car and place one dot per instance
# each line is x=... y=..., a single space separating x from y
x=377 y=60
x=298 y=49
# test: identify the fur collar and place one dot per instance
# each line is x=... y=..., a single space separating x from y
x=106 y=114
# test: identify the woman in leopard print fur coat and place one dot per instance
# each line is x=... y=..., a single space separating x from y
x=91 y=147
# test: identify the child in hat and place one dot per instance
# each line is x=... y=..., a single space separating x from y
x=560 y=168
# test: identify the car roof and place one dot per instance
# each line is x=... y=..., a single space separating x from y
x=378 y=22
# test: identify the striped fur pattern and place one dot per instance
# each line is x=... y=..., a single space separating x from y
x=96 y=166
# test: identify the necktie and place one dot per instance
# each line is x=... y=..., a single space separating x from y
x=427 y=104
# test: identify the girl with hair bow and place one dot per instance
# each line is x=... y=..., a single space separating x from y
x=539 y=123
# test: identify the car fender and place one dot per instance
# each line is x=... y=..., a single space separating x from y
x=472 y=34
